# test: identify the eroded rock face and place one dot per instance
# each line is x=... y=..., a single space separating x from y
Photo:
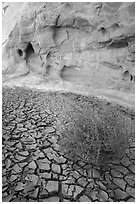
x=89 y=45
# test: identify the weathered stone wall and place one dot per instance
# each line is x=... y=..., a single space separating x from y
x=86 y=44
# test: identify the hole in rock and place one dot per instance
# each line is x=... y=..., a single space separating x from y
x=115 y=26
x=48 y=55
x=29 y=50
x=126 y=75
x=103 y=30
x=20 y=52
x=131 y=77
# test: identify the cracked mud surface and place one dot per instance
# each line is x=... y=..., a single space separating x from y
x=45 y=158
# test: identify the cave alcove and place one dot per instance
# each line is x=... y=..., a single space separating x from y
x=29 y=50
x=20 y=52
x=126 y=75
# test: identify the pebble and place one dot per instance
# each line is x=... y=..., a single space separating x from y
x=62 y=178
x=75 y=174
x=16 y=168
x=8 y=163
x=45 y=175
x=46 y=144
x=53 y=139
x=20 y=186
x=3 y=172
x=10 y=143
x=31 y=171
x=32 y=165
x=122 y=169
x=116 y=173
x=100 y=184
x=70 y=180
x=60 y=159
x=4 y=188
x=65 y=200
x=110 y=200
x=56 y=168
x=37 y=135
x=6 y=137
x=81 y=163
x=21 y=129
x=52 y=199
x=130 y=179
x=52 y=186
x=49 y=130
x=22 y=164
x=55 y=176
x=50 y=150
x=7 y=198
x=32 y=178
x=91 y=184
x=24 y=153
x=4 y=194
x=78 y=190
x=34 y=194
x=82 y=181
x=56 y=147
x=29 y=187
x=111 y=186
x=96 y=173
x=45 y=160
x=23 y=200
x=65 y=188
x=115 y=161
x=90 y=173
x=29 y=147
x=93 y=195
x=64 y=166
x=15 y=160
x=70 y=190
x=108 y=177
x=111 y=194
x=37 y=152
x=130 y=191
x=102 y=196
x=13 y=178
x=44 y=166
x=19 y=145
x=131 y=200
x=120 y=195
x=41 y=155
x=84 y=198
x=20 y=158
x=51 y=156
x=16 y=200
x=29 y=140
x=44 y=192
x=132 y=168
x=120 y=182
x=125 y=161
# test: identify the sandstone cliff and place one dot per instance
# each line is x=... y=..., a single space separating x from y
x=87 y=48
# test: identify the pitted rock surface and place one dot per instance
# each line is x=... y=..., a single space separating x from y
x=54 y=149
